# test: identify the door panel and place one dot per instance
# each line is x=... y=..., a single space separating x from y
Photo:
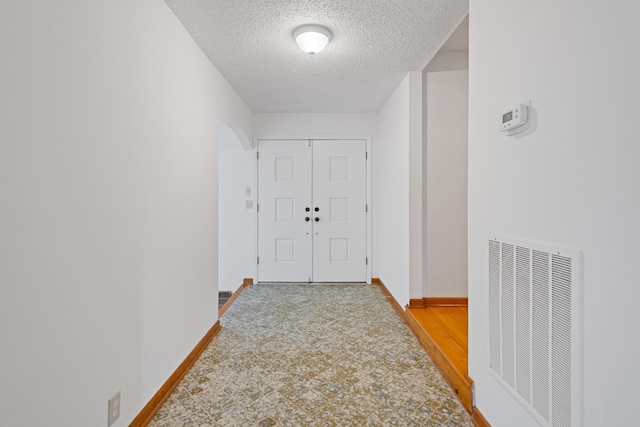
x=284 y=191
x=339 y=194
x=329 y=178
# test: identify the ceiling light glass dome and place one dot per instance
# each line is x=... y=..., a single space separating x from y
x=312 y=38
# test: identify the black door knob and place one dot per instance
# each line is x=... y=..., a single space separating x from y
x=317 y=219
x=307 y=209
x=316 y=209
x=306 y=218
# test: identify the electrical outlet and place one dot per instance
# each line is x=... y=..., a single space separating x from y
x=247 y=191
x=249 y=204
x=114 y=408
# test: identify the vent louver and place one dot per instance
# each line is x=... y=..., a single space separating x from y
x=535 y=326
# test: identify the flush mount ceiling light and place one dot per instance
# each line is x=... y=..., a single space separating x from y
x=312 y=38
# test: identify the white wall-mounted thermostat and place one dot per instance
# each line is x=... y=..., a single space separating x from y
x=514 y=120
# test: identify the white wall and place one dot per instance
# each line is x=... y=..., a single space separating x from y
x=572 y=181
x=416 y=172
x=108 y=212
x=398 y=139
x=449 y=61
x=446 y=96
x=302 y=124
x=236 y=223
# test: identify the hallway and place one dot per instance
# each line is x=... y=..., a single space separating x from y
x=312 y=355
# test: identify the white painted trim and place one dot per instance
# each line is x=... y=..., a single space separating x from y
x=369 y=210
x=285 y=137
x=369 y=233
x=255 y=211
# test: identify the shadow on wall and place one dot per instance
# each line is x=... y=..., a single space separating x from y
x=232 y=136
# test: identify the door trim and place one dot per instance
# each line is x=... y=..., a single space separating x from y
x=366 y=138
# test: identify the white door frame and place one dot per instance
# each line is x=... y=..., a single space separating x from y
x=256 y=143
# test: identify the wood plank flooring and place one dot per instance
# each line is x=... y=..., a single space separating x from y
x=443 y=333
x=448 y=327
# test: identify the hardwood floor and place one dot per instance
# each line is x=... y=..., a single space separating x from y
x=443 y=333
x=448 y=327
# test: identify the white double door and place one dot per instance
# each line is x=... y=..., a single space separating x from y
x=312 y=221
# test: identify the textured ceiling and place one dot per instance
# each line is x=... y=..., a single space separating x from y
x=375 y=42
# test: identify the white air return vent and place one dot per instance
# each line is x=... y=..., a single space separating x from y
x=535 y=327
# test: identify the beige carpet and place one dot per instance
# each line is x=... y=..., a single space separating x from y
x=312 y=355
